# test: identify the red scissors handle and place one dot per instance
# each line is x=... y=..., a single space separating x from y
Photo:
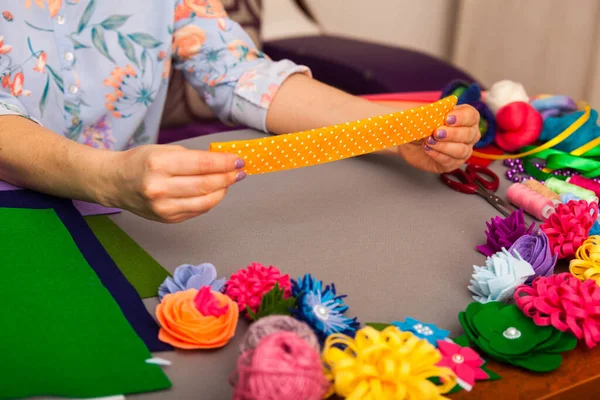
x=460 y=181
x=483 y=176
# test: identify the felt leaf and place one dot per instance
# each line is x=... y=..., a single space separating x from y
x=100 y=43
x=273 y=303
x=560 y=342
x=492 y=376
x=462 y=341
x=85 y=17
x=145 y=40
x=377 y=325
x=539 y=362
x=114 y=22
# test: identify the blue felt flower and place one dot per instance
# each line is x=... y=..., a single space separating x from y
x=595 y=230
x=191 y=277
x=321 y=308
x=429 y=332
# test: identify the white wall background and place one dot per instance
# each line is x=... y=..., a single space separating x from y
x=551 y=46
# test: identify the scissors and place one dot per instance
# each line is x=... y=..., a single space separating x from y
x=475 y=179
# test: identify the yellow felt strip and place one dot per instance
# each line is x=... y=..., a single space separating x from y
x=319 y=146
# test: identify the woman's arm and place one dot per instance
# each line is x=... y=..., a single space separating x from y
x=163 y=183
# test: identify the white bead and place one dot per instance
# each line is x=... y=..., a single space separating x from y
x=511 y=333
x=321 y=312
x=458 y=359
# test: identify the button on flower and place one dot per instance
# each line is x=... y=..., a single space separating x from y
x=191 y=277
x=429 y=332
x=508 y=336
x=501 y=276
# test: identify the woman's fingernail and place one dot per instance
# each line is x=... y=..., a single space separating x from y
x=239 y=163
x=441 y=134
x=431 y=141
x=427 y=148
x=451 y=119
x=240 y=176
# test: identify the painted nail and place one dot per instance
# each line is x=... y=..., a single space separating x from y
x=239 y=163
x=431 y=141
x=451 y=119
x=240 y=176
x=427 y=148
x=441 y=134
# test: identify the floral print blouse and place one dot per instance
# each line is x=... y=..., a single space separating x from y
x=96 y=71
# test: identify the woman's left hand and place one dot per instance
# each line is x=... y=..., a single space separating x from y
x=449 y=147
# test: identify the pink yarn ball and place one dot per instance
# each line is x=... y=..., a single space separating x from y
x=248 y=286
x=282 y=366
x=519 y=125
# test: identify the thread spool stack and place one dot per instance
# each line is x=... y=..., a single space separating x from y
x=585 y=183
x=531 y=201
x=541 y=189
x=560 y=187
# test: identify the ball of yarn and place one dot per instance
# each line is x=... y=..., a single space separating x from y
x=518 y=125
x=505 y=92
x=278 y=323
x=282 y=366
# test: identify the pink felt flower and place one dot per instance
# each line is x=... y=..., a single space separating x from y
x=568 y=227
x=564 y=302
x=463 y=361
x=247 y=286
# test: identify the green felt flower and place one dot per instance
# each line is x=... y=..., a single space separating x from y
x=505 y=334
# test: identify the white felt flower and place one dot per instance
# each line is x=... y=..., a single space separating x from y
x=500 y=277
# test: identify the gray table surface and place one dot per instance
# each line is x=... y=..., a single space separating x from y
x=393 y=238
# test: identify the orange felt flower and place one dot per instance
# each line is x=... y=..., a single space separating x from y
x=188 y=41
x=206 y=8
x=184 y=326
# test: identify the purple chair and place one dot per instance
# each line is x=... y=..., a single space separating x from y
x=353 y=66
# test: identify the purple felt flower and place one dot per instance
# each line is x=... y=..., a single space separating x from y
x=503 y=232
x=535 y=249
x=191 y=277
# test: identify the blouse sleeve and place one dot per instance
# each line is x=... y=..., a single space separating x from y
x=237 y=81
x=10 y=105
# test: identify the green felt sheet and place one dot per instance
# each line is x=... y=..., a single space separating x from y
x=61 y=332
x=140 y=269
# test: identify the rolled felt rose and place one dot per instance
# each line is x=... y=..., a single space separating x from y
x=535 y=249
x=503 y=232
x=193 y=319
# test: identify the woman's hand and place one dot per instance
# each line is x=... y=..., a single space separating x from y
x=449 y=147
x=170 y=183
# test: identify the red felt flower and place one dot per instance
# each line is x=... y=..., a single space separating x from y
x=463 y=361
x=568 y=227
x=564 y=302
x=247 y=286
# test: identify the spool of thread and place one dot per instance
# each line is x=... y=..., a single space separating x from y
x=530 y=201
x=282 y=366
x=539 y=187
x=567 y=197
x=518 y=125
x=558 y=186
x=585 y=183
x=278 y=323
x=504 y=92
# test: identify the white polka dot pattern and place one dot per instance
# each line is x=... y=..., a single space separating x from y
x=319 y=146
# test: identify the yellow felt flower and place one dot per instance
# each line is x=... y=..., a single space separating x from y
x=586 y=264
x=384 y=365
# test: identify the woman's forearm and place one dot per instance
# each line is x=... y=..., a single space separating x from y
x=303 y=103
x=36 y=158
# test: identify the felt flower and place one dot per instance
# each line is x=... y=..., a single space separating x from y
x=501 y=276
x=191 y=277
x=429 y=332
x=568 y=227
x=464 y=362
x=503 y=232
x=385 y=365
x=321 y=308
x=535 y=249
x=194 y=319
x=586 y=264
x=564 y=302
x=248 y=286
x=508 y=336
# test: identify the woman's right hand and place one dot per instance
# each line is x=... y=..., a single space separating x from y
x=172 y=184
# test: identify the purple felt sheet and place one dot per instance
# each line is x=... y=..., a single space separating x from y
x=83 y=207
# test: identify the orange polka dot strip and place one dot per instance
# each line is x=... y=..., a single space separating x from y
x=332 y=143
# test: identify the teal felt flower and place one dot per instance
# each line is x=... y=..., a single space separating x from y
x=508 y=336
x=429 y=332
